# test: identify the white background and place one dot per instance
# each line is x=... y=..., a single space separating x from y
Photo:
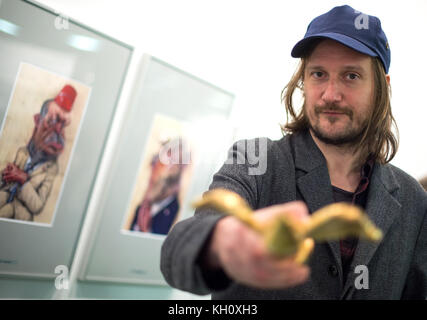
x=244 y=47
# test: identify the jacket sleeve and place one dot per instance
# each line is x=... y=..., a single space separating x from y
x=416 y=283
x=183 y=247
x=34 y=196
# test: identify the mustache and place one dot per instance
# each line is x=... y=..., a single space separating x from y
x=333 y=107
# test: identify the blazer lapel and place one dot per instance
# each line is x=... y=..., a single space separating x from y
x=314 y=185
x=316 y=190
x=382 y=208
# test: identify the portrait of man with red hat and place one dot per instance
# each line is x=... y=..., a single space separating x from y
x=27 y=182
x=38 y=133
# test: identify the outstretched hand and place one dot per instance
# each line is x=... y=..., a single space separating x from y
x=243 y=255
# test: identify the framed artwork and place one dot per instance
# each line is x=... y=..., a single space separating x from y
x=59 y=93
x=162 y=180
x=36 y=142
x=174 y=136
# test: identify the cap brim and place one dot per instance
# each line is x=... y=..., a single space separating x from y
x=301 y=46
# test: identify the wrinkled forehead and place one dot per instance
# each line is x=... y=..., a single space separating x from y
x=57 y=113
x=45 y=109
x=330 y=52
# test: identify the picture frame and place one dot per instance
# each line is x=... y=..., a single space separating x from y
x=163 y=97
x=59 y=50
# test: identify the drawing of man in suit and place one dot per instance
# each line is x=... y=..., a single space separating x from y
x=27 y=182
x=160 y=204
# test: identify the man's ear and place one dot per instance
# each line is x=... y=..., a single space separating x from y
x=36 y=118
x=387 y=77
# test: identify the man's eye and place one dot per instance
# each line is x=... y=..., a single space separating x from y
x=317 y=74
x=352 y=76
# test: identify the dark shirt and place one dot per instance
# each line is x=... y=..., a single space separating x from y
x=348 y=246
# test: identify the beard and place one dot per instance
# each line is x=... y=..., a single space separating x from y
x=349 y=136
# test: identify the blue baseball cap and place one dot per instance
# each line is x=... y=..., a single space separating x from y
x=350 y=27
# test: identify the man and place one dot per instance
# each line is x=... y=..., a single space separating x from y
x=337 y=148
x=160 y=204
x=27 y=182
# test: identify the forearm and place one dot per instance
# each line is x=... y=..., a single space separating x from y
x=182 y=252
x=33 y=197
x=33 y=200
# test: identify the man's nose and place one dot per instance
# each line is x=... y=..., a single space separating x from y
x=332 y=92
x=58 y=127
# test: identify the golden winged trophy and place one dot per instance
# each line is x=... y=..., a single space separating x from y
x=287 y=236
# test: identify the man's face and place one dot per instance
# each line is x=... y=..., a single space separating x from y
x=49 y=129
x=338 y=88
x=165 y=181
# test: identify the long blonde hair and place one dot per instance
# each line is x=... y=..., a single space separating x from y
x=378 y=140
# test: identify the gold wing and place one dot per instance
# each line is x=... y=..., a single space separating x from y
x=341 y=220
x=230 y=203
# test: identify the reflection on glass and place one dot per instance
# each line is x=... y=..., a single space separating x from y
x=9 y=28
x=83 y=43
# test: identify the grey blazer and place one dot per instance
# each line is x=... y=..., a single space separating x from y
x=296 y=170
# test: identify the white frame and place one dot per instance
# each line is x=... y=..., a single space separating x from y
x=28 y=253
x=94 y=218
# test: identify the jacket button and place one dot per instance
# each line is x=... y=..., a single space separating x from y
x=333 y=270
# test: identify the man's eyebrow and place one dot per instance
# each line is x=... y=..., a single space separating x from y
x=354 y=68
x=314 y=67
x=345 y=68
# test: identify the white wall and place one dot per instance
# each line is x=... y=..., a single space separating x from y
x=244 y=47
